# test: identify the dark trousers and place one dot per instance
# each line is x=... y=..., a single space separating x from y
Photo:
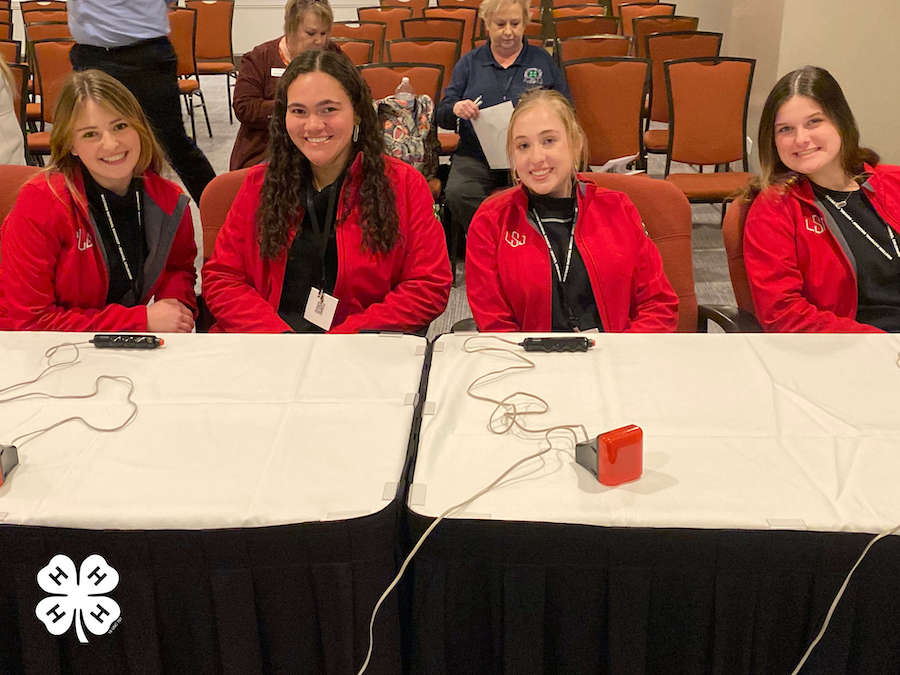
x=148 y=70
x=469 y=183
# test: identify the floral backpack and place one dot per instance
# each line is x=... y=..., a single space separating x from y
x=409 y=132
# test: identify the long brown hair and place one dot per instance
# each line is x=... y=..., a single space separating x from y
x=820 y=86
x=289 y=171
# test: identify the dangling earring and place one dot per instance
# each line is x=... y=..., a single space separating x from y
x=355 y=132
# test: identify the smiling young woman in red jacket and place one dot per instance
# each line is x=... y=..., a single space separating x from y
x=555 y=253
x=331 y=234
x=822 y=237
x=91 y=240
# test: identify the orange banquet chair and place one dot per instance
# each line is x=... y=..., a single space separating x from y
x=362 y=30
x=612 y=123
x=592 y=46
x=554 y=4
x=466 y=14
x=667 y=216
x=11 y=51
x=46 y=30
x=742 y=318
x=615 y=4
x=633 y=10
x=41 y=16
x=708 y=102
x=390 y=16
x=581 y=26
x=643 y=26
x=472 y=4
x=567 y=11
x=359 y=51
x=437 y=29
x=12 y=178
x=444 y=53
x=51 y=67
x=662 y=47
x=417 y=6
x=383 y=78
x=214 y=51
x=183 y=36
x=6 y=30
x=42 y=5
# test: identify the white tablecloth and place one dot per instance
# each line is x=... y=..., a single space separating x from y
x=232 y=431
x=740 y=431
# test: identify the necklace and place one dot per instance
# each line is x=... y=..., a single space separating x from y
x=124 y=258
x=840 y=207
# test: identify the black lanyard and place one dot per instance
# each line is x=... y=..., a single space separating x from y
x=122 y=255
x=323 y=233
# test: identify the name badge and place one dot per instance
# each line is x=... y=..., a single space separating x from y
x=320 y=308
x=277 y=72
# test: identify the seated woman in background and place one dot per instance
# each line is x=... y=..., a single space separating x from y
x=822 y=237
x=91 y=240
x=500 y=70
x=331 y=234
x=307 y=25
x=557 y=253
x=12 y=143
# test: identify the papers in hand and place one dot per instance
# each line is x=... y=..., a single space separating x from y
x=490 y=127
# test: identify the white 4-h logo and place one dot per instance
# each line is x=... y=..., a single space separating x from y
x=78 y=598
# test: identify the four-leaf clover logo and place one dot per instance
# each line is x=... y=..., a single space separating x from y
x=78 y=598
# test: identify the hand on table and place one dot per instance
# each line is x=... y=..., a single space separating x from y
x=169 y=316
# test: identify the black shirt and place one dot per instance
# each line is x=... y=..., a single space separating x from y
x=124 y=213
x=878 y=279
x=575 y=307
x=305 y=265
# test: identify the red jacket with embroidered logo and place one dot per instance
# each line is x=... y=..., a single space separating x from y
x=509 y=275
x=53 y=269
x=800 y=276
x=402 y=290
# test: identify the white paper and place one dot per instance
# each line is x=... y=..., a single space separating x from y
x=490 y=127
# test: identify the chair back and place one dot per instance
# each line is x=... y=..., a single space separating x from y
x=444 y=53
x=362 y=30
x=581 y=26
x=40 y=16
x=592 y=46
x=12 y=178
x=733 y=238
x=11 y=51
x=467 y=14
x=667 y=216
x=417 y=6
x=359 y=51
x=566 y=11
x=6 y=16
x=632 y=10
x=708 y=101
x=51 y=65
x=383 y=78
x=533 y=41
x=6 y=30
x=19 y=92
x=570 y=3
x=42 y=5
x=612 y=123
x=615 y=4
x=46 y=30
x=390 y=16
x=471 y=4
x=439 y=29
x=214 y=24
x=643 y=26
x=662 y=47
x=183 y=36
x=215 y=202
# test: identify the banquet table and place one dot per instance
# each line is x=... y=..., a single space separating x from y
x=250 y=509
x=769 y=461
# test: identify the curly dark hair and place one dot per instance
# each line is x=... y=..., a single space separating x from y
x=289 y=171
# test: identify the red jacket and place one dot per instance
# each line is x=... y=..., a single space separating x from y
x=801 y=278
x=509 y=273
x=401 y=290
x=53 y=270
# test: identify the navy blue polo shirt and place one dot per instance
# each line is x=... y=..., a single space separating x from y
x=478 y=74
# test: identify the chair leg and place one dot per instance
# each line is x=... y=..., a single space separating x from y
x=228 y=94
x=205 y=113
x=190 y=106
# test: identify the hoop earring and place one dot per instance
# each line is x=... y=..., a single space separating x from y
x=355 y=132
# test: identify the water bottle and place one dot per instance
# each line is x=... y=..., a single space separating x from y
x=405 y=92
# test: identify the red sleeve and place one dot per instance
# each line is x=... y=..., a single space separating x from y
x=177 y=280
x=229 y=276
x=654 y=305
x=424 y=287
x=250 y=105
x=776 y=281
x=490 y=308
x=32 y=243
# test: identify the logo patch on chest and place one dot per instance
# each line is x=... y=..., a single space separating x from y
x=514 y=238
x=84 y=240
x=534 y=77
x=816 y=226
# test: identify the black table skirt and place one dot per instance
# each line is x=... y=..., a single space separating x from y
x=521 y=598
x=286 y=599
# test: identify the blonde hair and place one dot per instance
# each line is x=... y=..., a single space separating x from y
x=108 y=92
x=294 y=10
x=488 y=8
x=560 y=105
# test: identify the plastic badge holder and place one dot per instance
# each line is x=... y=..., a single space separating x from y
x=615 y=457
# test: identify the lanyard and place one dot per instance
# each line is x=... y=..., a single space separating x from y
x=325 y=233
x=561 y=277
x=122 y=256
x=840 y=207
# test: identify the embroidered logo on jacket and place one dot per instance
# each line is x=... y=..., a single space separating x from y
x=534 y=77
x=817 y=226
x=514 y=238
x=88 y=241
